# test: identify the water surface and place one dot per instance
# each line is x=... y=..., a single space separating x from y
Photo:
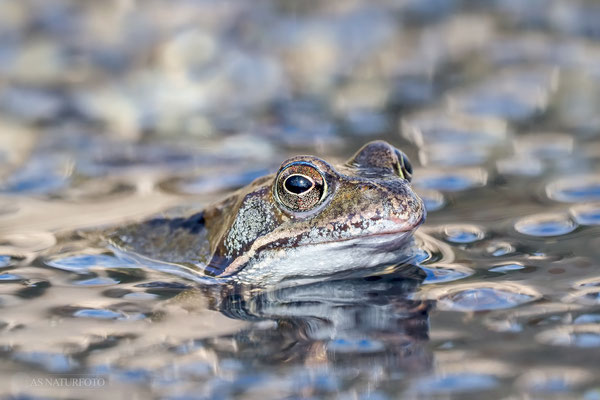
x=111 y=112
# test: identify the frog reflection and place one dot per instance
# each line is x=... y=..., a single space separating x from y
x=357 y=322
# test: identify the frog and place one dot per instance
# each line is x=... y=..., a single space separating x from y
x=309 y=220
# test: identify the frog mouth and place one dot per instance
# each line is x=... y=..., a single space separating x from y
x=326 y=258
x=380 y=240
x=394 y=235
x=385 y=241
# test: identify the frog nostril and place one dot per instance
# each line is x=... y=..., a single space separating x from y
x=298 y=184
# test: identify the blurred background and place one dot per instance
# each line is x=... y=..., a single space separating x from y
x=85 y=84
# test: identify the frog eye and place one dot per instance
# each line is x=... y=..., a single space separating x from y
x=300 y=186
x=404 y=167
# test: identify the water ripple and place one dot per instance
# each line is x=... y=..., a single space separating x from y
x=10 y=278
x=86 y=262
x=438 y=273
x=520 y=165
x=546 y=145
x=129 y=312
x=97 y=281
x=587 y=283
x=52 y=362
x=8 y=261
x=543 y=225
x=575 y=189
x=476 y=375
x=433 y=199
x=349 y=345
x=589 y=296
x=504 y=268
x=7 y=208
x=453 y=180
x=462 y=233
x=211 y=182
x=434 y=127
x=586 y=214
x=28 y=241
x=456 y=383
x=481 y=296
x=499 y=248
x=587 y=335
x=515 y=95
x=539 y=314
x=454 y=155
x=551 y=380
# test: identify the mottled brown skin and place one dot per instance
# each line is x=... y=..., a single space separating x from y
x=251 y=232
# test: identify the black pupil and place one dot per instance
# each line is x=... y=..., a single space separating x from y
x=297 y=184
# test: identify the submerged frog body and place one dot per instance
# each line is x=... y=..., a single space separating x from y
x=309 y=219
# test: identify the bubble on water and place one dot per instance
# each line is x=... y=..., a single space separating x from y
x=97 y=190
x=10 y=278
x=451 y=180
x=453 y=377
x=412 y=89
x=366 y=122
x=453 y=155
x=504 y=268
x=433 y=199
x=430 y=128
x=572 y=336
x=140 y=296
x=51 y=362
x=589 y=296
x=86 y=262
x=521 y=166
x=453 y=383
x=10 y=260
x=587 y=283
x=592 y=394
x=538 y=314
x=546 y=145
x=575 y=189
x=547 y=380
x=42 y=175
x=97 y=281
x=351 y=345
x=499 y=248
x=586 y=214
x=587 y=319
x=438 y=273
x=515 y=95
x=215 y=182
x=462 y=233
x=32 y=104
x=96 y=313
x=542 y=225
x=28 y=241
x=480 y=296
x=4 y=260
